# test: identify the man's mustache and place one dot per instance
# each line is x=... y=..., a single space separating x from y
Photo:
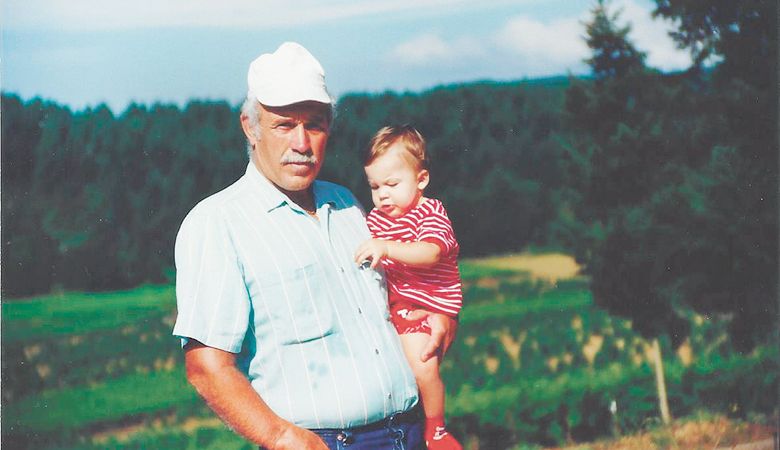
x=292 y=157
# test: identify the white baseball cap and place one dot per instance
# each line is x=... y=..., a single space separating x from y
x=289 y=75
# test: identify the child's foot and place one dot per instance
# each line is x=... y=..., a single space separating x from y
x=440 y=439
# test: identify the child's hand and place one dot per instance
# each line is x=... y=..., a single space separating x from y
x=372 y=250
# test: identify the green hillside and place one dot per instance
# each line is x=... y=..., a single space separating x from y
x=534 y=363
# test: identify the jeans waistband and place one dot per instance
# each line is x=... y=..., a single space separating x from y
x=405 y=417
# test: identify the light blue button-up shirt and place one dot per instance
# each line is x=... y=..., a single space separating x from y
x=257 y=276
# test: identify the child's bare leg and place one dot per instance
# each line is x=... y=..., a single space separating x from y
x=431 y=391
x=426 y=373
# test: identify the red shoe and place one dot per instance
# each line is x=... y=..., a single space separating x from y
x=442 y=440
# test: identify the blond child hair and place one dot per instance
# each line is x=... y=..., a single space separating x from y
x=407 y=135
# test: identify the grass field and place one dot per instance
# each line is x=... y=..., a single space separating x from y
x=548 y=266
x=81 y=313
x=535 y=364
x=698 y=432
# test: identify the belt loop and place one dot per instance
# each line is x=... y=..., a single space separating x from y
x=391 y=419
x=397 y=435
x=345 y=437
x=396 y=431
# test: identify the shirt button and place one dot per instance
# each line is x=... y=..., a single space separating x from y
x=360 y=311
x=376 y=350
x=341 y=269
x=389 y=395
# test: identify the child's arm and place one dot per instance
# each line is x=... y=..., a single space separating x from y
x=417 y=254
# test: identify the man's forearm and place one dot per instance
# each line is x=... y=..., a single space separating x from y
x=233 y=399
x=227 y=391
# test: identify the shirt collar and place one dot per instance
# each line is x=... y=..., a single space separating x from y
x=273 y=198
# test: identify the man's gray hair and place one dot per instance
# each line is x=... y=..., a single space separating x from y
x=251 y=109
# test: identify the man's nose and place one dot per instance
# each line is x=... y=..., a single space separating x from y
x=299 y=139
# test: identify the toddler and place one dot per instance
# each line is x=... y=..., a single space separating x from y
x=414 y=241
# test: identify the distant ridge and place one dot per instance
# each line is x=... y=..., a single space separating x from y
x=556 y=81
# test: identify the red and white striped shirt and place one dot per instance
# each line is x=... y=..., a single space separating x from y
x=436 y=288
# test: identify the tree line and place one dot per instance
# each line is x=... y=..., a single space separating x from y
x=93 y=201
x=663 y=185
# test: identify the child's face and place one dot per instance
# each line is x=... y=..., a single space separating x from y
x=396 y=185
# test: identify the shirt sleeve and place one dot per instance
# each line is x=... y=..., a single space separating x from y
x=211 y=296
x=435 y=227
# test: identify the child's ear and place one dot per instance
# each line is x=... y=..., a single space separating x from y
x=423 y=177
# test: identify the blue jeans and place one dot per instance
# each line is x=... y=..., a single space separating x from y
x=401 y=431
x=389 y=434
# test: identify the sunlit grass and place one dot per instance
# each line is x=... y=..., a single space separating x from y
x=110 y=401
x=699 y=431
x=76 y=312
x=548 y=302
x=548 y=266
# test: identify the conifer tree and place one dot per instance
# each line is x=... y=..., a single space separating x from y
x=736 y=249
x=618 y=177
x=673 y=177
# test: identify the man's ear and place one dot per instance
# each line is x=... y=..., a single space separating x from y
x=423 y=177
x=249 y=130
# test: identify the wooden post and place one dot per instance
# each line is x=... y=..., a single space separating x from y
x=660 y=382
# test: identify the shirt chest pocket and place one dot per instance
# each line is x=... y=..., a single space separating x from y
x=292 y=305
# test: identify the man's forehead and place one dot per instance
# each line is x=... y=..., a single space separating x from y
x=314 y=110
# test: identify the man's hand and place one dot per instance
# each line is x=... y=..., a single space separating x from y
x=443 y=330
x=294 y=438
x=372 y=250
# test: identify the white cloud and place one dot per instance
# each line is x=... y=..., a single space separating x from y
x=84 y=15
x=557 y=44
x=534 y=47
x=431 y=49
x=423 y=50
x=651 y=36
x=537 y=48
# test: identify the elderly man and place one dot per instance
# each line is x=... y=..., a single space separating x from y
x=286 y=339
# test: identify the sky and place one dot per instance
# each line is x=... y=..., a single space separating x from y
x=81 y=53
